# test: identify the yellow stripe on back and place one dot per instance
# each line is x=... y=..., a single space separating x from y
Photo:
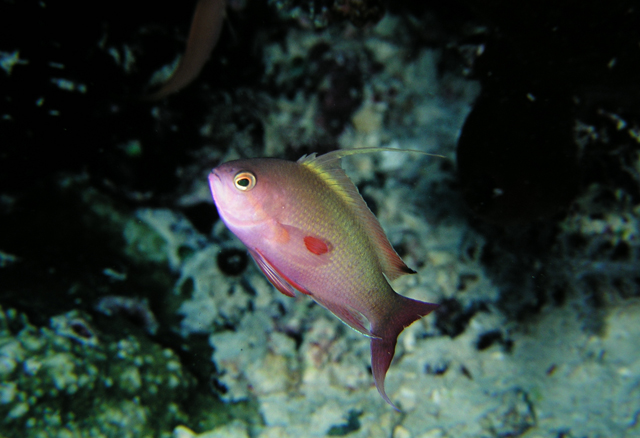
x=327 y=167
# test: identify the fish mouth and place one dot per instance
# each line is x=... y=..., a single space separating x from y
x=213 y=181
x=214 y=173
x=215 y=184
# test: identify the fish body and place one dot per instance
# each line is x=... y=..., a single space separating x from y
x=308 y=229
x=206 y=27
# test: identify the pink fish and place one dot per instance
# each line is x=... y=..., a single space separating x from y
x=206 y=27
x=308 y=229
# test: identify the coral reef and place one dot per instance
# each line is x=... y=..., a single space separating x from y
x=320 y=13
x=70 y=380
x=128 y=309
x=131 y=307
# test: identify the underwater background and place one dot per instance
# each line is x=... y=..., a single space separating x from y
x=127 y=309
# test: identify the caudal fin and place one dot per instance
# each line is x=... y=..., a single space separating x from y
x=383 y=346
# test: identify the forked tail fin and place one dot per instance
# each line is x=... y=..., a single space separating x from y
x=383 y=346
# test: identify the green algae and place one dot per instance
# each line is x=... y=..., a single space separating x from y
x=53 y=384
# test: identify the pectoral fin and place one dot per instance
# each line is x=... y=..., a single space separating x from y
x=275 y=277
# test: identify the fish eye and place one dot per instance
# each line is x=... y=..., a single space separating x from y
x=244 y=181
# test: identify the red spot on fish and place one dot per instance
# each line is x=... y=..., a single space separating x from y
x=316 y=245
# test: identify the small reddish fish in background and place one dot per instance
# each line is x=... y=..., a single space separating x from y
x=204 y=34
x=308 y=229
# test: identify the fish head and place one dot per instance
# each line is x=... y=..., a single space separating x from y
x=246 y=192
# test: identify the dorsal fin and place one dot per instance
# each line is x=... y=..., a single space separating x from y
x=328 y=167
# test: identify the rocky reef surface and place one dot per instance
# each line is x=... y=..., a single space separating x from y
x=129 y=310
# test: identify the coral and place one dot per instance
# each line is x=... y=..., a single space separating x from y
x=210 y=299
x=72 y=381
x=236 y=429
x=469 y=371
x=161 y=236
x=328 y=83
x=530 y=316
x=73 y=326
x=320 y=13
x=131 y=307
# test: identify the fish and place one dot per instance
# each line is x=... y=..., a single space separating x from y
x=309 y=230
x=204 y=34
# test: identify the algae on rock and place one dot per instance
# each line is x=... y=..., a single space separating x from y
x=61 y=382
